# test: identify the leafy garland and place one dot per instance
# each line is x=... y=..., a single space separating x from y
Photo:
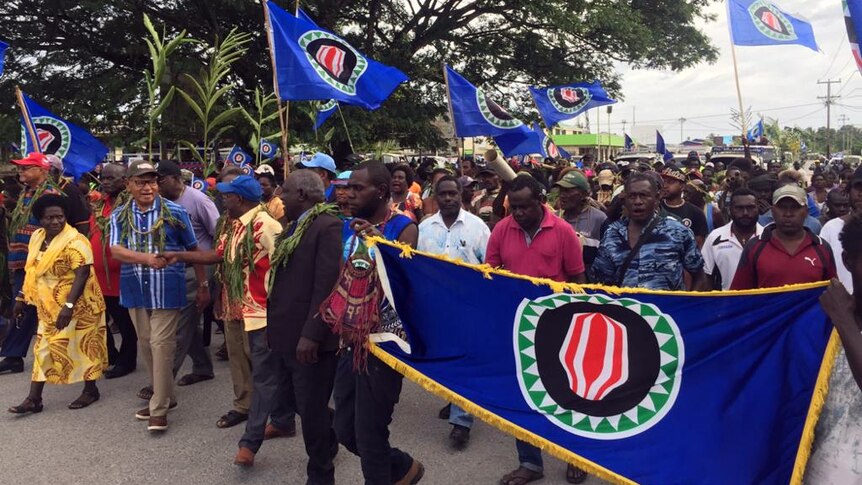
x=103 y=223
x=243 y=254
x=286 y=244
x=21 y=213
x=126 y=220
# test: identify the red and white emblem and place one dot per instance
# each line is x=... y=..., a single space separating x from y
x=569 y=95
x=45 y=139
x=595 y=355
x=332 y=59
x=771 y=20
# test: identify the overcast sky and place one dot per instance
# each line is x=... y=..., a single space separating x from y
x=771 y=77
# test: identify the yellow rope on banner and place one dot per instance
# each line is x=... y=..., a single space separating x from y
x=496 y=421
x=559 y=287
x=821 y=389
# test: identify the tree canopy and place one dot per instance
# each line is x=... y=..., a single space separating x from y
x=84 y=59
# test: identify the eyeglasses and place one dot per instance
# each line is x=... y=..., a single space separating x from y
x=143 y=183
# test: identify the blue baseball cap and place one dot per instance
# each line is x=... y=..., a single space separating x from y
x=321 y=160
x=244 y=186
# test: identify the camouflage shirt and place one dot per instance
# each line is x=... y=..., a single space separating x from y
x=670 y=249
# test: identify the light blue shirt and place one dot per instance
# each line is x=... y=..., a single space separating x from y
x=466 y=240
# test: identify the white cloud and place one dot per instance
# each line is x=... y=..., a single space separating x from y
x=770 y=77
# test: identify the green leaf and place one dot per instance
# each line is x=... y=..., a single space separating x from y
x=155 y=35
x=253 y=122
x=166 y=101
x=224 y=116
x=217 y=95
x=199 y=90
x=194 y=150
x=220 y=132
x=193 y=105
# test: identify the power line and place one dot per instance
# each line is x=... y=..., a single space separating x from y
x=835 y=56
x=724 y=115
x=828 y=101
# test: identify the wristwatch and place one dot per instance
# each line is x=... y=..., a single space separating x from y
x=70 y=305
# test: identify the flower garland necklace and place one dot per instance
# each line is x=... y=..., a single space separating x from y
x=287 y=242
x=126 y=219
x=21 y=213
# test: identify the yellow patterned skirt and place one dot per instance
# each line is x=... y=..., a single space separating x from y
x=77 y=353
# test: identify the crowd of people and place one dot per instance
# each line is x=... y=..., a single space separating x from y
x=271 y=261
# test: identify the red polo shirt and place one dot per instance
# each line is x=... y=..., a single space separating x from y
x=554 y=252
x=774 y=266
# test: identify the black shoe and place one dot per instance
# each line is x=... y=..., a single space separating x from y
x=115 y=371
x=444 y=412
x=459 y=436
x=12 y=365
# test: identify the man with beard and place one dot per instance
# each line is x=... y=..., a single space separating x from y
x=576 y=210
x=365 y=398
x=832 y=230
x=786 y=253
x=107 y=269
x=675 y=206
x=458 y=234
x=483 y=202
x=723 y=246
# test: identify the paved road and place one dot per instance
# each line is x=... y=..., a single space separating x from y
x=105 y=444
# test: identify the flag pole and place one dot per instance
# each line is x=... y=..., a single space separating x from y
x=28 y=121
x=449 y=105
x=343 y=122
x=742 y=122
x=283 y=111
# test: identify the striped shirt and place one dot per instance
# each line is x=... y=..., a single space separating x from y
x=140 y=285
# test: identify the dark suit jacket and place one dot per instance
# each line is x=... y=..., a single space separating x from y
x=300 y=287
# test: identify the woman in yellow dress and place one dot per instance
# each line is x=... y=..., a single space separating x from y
x=59 y=281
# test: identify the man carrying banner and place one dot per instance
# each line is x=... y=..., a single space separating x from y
x=33 y=172
x=839 y=429
x=522 y=243
x=365 y=398
x=107 y=269
x=645 y=249
x=787 y=252
x=459 y=235
x=153 y=291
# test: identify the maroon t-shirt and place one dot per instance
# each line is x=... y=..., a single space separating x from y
x=774 y=266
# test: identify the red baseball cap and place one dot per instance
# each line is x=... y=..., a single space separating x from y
x=34 y=159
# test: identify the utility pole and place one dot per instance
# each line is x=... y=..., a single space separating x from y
x=681 y=123
x=624 y=125
x=843 y=120
x=829 y=100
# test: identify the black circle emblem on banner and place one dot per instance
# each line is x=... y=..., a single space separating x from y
x=642 y=359
x=496 y=110
x=771 y=21
x=334 y=57
x=570 y=97
x=50 y=137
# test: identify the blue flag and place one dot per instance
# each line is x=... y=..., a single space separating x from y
x=630 y=144
x=475 y=114
x=631 y=385
x=760 y=22
x=268 y=149
x=853 y=21
x=325 y=112
x=549 y=148
x=756 y=132
x=661 y=148
x=520 y=142
x=79 y=150
x=199 y=184
x=3 y=47
x=314 y=64
x=560 y=103
x=238 y=157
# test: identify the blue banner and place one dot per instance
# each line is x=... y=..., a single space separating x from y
x=560 y=103
x=3 y=47
x=760 y=22
x=475 y=114
x=630 y=385
x=756 y=132
x=630 y=144
x=268 y=149
x=199 y=184
x=853 y=22
x=79 y=150
x=661 y=148
x=313 y=64
x=238 y=157
x=325 y=112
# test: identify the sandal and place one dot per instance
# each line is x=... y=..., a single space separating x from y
x=521 y=476
x=231 y=419
x=84 y=400
x=28 y=406
x=575 y=474
x=146 y=393
x=190 y=379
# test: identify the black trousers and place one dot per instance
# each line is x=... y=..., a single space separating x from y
x=127 y=356
x=283 y=387
x=364 y=402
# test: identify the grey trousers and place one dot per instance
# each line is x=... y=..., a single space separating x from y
x=190 y=339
